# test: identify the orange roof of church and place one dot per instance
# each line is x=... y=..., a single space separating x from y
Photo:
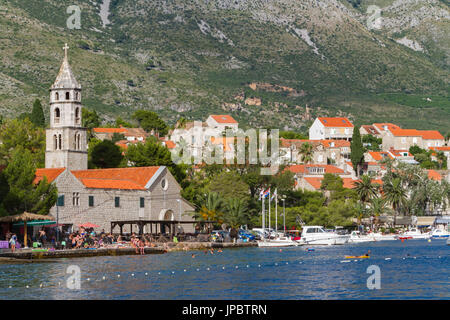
x=51 y=174
x=117 y=178
x=170 y=144
x=223 y=118
x=336 y=122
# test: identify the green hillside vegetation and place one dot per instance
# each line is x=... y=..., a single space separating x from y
x=148 y=58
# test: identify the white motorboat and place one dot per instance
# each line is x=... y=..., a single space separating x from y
x=383 y=237
x=357 y=237
x=414 y=233
x=439 y=234
x=316 y=235
x=278 y=242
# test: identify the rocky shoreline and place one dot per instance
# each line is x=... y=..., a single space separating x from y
x=29 y=256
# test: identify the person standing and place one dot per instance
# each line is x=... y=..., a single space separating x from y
x=13 y=242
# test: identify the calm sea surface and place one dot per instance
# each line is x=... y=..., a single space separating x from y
x=417 y=269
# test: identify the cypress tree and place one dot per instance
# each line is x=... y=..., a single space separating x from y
x=357 y=150
x=37 y=115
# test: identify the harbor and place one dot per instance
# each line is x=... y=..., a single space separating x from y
x=292 y=273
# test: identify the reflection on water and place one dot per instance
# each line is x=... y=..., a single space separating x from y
x=417 y=270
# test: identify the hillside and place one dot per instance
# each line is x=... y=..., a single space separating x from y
x=261 y=61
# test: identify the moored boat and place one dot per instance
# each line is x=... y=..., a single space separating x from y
x=414 y=233
x=357 y=237
x=439 y=234
x=316 y=235
x=283 y=241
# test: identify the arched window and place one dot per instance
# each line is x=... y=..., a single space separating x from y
x=77 y=115
x=76 y=96
x=67 y=95
x=79 y=142
x=57 y=96
x=55 y=142
x=60 y=141
x=57 y=115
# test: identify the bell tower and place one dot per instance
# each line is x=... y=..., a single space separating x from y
x=66 y=143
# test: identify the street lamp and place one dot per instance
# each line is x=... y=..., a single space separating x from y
x=284 y=213
x=179 y=226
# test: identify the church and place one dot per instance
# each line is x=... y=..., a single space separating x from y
x=101 y=196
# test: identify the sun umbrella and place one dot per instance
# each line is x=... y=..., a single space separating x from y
x=25 y=217
x=88 y=225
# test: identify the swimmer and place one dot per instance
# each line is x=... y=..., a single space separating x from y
x=281 y=250
x=193 y=256
x=220 y=250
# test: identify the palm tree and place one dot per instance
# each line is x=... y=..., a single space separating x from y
x=236 y=214
x=307 y=152
x=365 y=189
x=441 y=158
x=394 y=194
x=211 y=210
x=377 y=207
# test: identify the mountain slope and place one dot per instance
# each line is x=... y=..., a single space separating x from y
x=192 y=58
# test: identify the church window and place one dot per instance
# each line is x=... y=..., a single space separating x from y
x=55 y=142
x=60 y=141
x=76 y=199
x=57 y=96
x=67 y=95
x=77 y=115
x=91 y=201
x=57 y=115
x=164 y=184
x=79 y=141
x=142 y=202
x=117 y=202
x=76 y=96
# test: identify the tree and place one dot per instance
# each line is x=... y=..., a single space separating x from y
x=236 y=213
x=90 y=120
x=154 y=154
x=365 y=189
x=441 y=159
x=23 y=194
x=229 y=185
x=211 y=209
x=307 y=152
x=395 y=194
x=149 y=120
x=106 y=154
x=122 y=123
x=23 y=133
x=377 y=207
x=37 y=115
x=357 y=150
x=292 y=135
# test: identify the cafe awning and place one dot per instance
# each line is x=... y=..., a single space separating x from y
x=34 y=223
x=443 y=220
x=403 y=220
x=425 y=221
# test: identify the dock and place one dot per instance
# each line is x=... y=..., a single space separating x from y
x=23 y=255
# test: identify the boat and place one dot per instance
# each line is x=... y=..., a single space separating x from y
x=316 y=235
x=357 y=237
x=383 y=237
x=414 y=233
x=283 y=241
x=357 y=257
x=439 y=234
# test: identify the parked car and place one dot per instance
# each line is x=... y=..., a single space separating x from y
x=244 y=234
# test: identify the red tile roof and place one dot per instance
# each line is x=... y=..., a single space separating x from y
x=389 y=126
x=118 y=178
x=371 y=129
x=379 y=155
x=335 y=122
x=51 y=174
x=337 y=143
x=286 y=143
x=425 y=134
x=170 y=144
x=110 y=130
x=399 y=153
x=440 y=148
x=348 y=183
x=301 y=168
x=223 y=118
x=434 y=175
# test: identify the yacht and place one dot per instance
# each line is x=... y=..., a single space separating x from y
x=357 y=237
x=414 y=233
x=317 y=235
x=281 y=241
x=439 y=234
x=383 y=237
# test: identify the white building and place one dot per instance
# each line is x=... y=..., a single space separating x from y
x=331 y=129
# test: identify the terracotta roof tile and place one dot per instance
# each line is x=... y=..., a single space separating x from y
x=301 y=168
x=110 y=130
x=223 y=118
x=434 y=175
x=386 y=126
x=337 y=143
x=336 y=122
x=51 y=174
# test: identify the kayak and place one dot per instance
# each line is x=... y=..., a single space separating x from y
x=357 y=257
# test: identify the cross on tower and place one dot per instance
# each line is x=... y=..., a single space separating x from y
x=65 y=48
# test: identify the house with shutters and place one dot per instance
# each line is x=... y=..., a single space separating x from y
x=101 y=196
x=326 y=128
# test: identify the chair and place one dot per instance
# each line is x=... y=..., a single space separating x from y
x=36 y=244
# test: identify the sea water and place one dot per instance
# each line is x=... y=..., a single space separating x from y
x=413 y=269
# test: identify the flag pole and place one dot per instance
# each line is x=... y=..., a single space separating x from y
x=263 y=218
x=276 y=212
x=269 y=211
